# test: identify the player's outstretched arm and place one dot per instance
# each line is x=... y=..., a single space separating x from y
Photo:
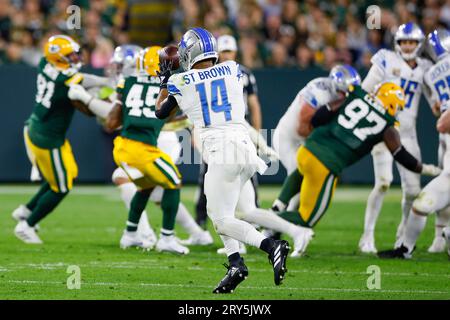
x=96 y=106
x=401 y=155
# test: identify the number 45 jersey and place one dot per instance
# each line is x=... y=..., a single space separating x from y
x=212 y=98
x=353 y=131
x=139 y=121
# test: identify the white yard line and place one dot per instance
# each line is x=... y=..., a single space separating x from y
x=267 y=193
x=142 y=284
x=155 y=265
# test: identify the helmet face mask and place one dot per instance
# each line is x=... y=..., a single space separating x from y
x=409 y=31
x=344 y=76
x=197 y=45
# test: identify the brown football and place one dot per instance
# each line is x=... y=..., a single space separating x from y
x=170 y=53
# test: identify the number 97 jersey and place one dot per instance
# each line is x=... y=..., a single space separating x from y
x=212 y=98
x=351 y=134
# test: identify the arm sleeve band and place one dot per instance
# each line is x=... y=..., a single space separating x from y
x=166 y=108
x=402 y=156
x=322 y=116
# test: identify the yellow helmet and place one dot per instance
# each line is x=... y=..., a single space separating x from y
x=148 y=61
x=392 y=97
x=62 y=52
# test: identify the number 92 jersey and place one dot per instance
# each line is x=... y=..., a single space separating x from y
x=212 y=98
x=139 y=121
x=350 y=135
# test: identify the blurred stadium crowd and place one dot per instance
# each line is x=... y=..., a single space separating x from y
x=270 y=33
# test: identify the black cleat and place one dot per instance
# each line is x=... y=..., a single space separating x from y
x=277 y=258
x=399 y=253
x=234 y=276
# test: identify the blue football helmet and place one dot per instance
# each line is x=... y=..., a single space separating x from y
x=409 y=31
x=438 y=44
x=344 y=76
x=196 y=45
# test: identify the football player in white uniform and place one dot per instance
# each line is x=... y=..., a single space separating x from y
x=211 y=95
x=405 y=66
x=123 y=64
x=435 y=197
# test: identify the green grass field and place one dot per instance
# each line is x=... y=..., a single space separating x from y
x=86 y=228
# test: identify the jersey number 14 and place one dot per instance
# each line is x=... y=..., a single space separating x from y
x=218 y=93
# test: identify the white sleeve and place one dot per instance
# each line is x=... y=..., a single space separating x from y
x=374 y=77
x=100 y=108
x=174 y=89
x=90 y=80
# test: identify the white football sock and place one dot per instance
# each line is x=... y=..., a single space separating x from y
x=294 y=203
x=414 y=226
x=185 y=219
x=127 y=192
x=239 y=230
x=231 y=245
x=373 y=209
x=441 y=221
x=267 y=219
x=407 y=202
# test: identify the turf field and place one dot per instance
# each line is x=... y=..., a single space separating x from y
x=86 y=228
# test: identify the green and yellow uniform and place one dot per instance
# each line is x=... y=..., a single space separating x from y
x=349 y=136
x=45 y=134
x=135 y=150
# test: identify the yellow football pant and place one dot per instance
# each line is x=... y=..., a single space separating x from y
x=57 y=166
x=317 y=187
x=147 y=166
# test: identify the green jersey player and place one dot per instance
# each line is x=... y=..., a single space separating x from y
x=341 y=138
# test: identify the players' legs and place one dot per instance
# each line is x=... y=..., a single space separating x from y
x=287 y=148
x=58 y=168
x=198 y=236
x=433 y=198
x=127 y=191
x=382 y=163
x=222 y=188
x=441 y=221
x=410 y=186
x=316 y=191
x=265 y=218
x=200 y=206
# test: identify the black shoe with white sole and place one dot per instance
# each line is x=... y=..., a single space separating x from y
x=234 y=276
x=277 y=258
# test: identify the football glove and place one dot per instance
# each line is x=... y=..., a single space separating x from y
x=164 y=73
x=77 y=92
